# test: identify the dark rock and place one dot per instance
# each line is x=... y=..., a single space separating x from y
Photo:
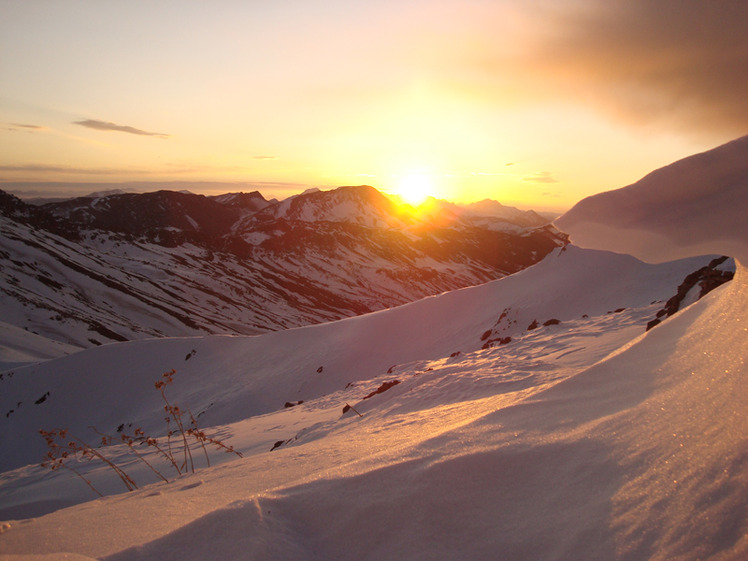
x=551 y=322
x=501 y=341
x=381 y=389
x=533 y=325
x=708 y=278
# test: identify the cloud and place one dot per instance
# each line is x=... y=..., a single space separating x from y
x=676 y=65
x=29 y=128
x=264 y=157
x=680 y=63
x=541 y=177
x=107 y=126
x=45 y=168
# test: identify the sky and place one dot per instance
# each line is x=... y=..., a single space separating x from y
x=535 y=103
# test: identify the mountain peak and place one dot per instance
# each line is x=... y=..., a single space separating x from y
x=359 y=204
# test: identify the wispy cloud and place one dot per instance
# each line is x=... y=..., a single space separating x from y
x=264 y=157
x=168 y=170
x=541 y=177
x=51 y=168
x=27 y=127
x=107 y=126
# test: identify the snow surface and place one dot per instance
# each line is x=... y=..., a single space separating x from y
x=19 y=347
x=585 y=440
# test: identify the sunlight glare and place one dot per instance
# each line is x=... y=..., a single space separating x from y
x=415 y=188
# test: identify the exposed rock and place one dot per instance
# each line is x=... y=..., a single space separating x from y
x=500 y=341
x=708 y=278
x=381 y=389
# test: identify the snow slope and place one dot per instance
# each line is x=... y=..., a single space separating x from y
x=498 y=453
x=696 y=205
x=588 y=439
x=232 y=378
x=19 y=347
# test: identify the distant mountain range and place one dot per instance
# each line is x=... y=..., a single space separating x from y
x=121 y=266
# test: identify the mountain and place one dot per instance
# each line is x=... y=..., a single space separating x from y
x=93 y=270
x=663 y=215
x=494 y=209
x=165 y=217
x=407 y=434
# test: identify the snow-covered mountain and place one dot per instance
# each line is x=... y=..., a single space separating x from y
x=93 y=270
x=496 y=210
x=663 y=215
x=532 y=417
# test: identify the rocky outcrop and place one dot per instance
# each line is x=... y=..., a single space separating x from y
x=707 y=278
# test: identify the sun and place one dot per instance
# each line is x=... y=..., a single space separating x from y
x=414 y=188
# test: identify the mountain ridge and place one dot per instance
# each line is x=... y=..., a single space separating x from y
x=185 y=264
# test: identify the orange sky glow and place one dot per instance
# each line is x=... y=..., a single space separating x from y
x=533 y=103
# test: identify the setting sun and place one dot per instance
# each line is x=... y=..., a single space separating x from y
x=415 y=188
